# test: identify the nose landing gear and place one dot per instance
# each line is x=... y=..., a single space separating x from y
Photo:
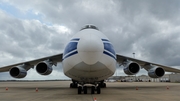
x=83 y=88
x=94 y=89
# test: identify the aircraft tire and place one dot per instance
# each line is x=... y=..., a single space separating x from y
x=104 y=85
x=92 y=89
x=85 y=89
x=71 y=85
x=98 y=90
x=75 y=85
x=79 y=90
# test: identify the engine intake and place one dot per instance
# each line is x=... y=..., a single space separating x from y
x=131 y=68
x=18 y=72
x=44 y=68
x=156 y=72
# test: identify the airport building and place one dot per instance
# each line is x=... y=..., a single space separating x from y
x=145 y=78
x=174 y=78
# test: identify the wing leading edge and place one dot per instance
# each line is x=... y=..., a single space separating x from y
x=121 y=58
x=54 y=59
x=58 y=58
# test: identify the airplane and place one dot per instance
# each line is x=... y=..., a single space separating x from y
x=88 y=58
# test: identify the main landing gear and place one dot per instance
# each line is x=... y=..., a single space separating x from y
x=94 y=88
x=97 y=89
x=102 y=85
x=74 y=84
x=84 y=89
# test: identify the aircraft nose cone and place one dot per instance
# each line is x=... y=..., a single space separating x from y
x=90 y=49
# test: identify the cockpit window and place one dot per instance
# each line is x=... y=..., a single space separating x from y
x=90 y=27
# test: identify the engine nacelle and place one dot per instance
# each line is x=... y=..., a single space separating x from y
x=18 y=72
x=156 y=72
x=131 y=68
x=44 y=68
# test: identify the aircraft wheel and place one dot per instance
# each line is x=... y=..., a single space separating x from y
x=79 y=90
x=104 y=85
x=85 y=89
x=71 y=85
x=98 y=90
x=92 y=89
x=75 y=85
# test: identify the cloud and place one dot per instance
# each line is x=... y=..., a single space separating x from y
x=23 y=40
x=148 y=28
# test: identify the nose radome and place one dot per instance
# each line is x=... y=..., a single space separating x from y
x=90 y=48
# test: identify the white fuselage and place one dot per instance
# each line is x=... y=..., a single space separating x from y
x=89 y=57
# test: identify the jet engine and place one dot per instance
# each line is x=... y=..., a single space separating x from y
x=44 y=68
x=131 y=68
x=18 y=72
x=156 y=72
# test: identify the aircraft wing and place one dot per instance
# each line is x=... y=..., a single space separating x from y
x=121 y=58
x=54 y=59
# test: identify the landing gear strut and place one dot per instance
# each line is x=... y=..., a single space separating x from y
x=102 y=85
x=74 y=84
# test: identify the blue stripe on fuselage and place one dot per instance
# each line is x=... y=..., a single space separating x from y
x=73 y=53
x=109 y=47
x=72 y=46
x=109 y=54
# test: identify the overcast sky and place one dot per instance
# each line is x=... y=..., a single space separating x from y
x=33 y=29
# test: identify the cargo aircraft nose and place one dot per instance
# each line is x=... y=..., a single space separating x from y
x=90 y=49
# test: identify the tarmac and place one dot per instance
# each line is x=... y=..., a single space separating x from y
x=115 y=91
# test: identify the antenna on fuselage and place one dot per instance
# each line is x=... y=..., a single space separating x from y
x=133 y=55
x=135 y=74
